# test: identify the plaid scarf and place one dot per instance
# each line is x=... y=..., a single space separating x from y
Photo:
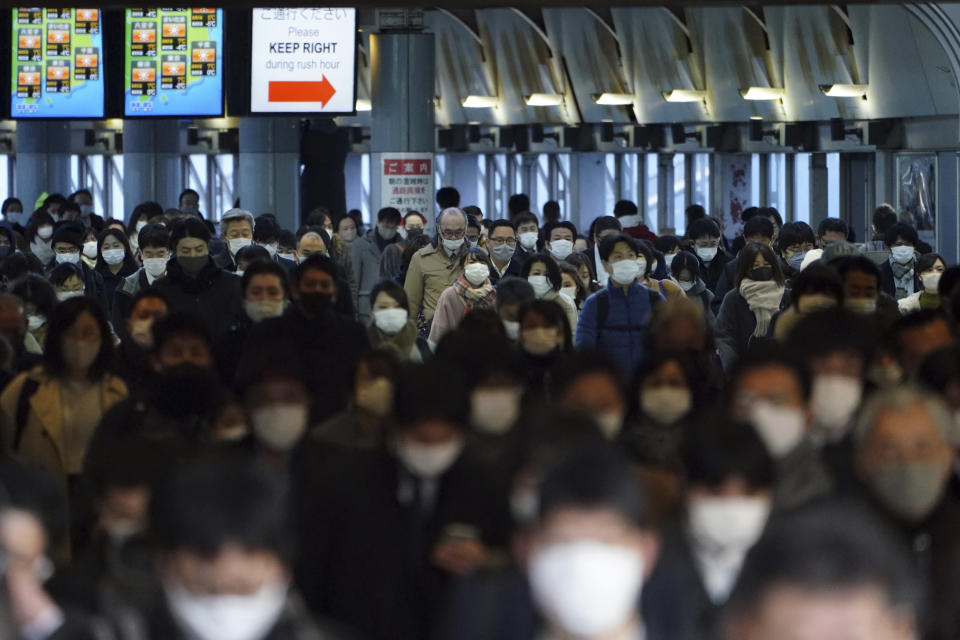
x=902 y=277
x=483 y=297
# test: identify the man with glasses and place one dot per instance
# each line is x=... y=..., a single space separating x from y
x=436 y=267
x=502 y=243
x=705 y=235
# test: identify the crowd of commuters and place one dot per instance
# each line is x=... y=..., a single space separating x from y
x=440 y=426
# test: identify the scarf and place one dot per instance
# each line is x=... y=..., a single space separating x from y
x=903 y=277
x=400 y=344
x=482 y=297
x=602 y=276
x=763 y=298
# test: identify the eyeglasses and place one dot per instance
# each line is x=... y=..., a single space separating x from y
x=501 y=241
x=452 y=234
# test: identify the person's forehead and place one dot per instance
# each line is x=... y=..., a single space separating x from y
x=191 y=242
x=769 y=378
x=502 y=231
x=622 y=247
x=572 y=522
x=184 y=341
x=316 y=274
x=265 y=280
x=452 y=221
x=311 y=239
x=794 y=612
x=238 y=222
x=561 y=232
x=913 y=420
x=150 y=304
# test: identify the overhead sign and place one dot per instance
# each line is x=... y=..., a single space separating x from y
x=406 y=182
x=303 y=60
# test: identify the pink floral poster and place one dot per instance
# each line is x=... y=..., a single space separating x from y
x=736 y=192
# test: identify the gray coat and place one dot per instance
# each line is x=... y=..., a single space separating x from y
x=365 y=254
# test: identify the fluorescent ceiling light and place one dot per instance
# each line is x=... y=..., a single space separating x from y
x=762 y=93
x=613 y=99
x=544 y=100
x=364 y=104
x=684 y=95
x=845 y=90
x=479 y=102
x=756 y=117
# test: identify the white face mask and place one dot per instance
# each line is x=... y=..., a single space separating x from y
x=686 y=285
x=931 y=281
x=707 y=254
x=719 y=525
x=861 y=305
x=540 y=341
x=476 y=273
x=66 y=295
x=35 y=321
x=561 y=249
x=668 y=260
x=45 y=232
x=227 y=617
x=452 y=246
x=512 y=329
x=625 y=271
x=271 y=248
x=570 y=292
x=140 y=225
x=780 y=428
x=587 y=588
x=113 y=256
x=90 y=249
x=375 y=397
x=390 y=321
x=287 y=255
x=834 y=400
x=73 y=257
x=495 y=410
x=86 y=210
x=80 y=354
x=141 y=331
x=610 y=423
x=280 y=426
x=902 y=255
x=666 y=404
x=540 y=285
x=528 y=240
x=155 y=267
x=642 y=263
x=258 y=311
x=236 y=244
x=428 y=460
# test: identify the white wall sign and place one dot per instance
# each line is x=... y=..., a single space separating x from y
x=303 y=60
x=406 y=182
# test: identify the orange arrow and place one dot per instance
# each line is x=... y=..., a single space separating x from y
x=300 y=91
x=326 y=91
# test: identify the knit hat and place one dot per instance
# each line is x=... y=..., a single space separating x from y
x=71 y=232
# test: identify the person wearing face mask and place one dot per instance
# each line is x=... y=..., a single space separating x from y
x=142 y=214
x=512 y=295
x=543 y=274
x=685 y=271
x=154 y=243
x=795 y=241
x=83 y=200
x=571 y=286
x=615 y=319
x=757 y=229
x=861 y=290
x=898 y=274
x=391 y=262
x=145 y=308
x=528 y=235
x=88 y=255
x=313 y=333
x=589 y=383
x=905 y=462
x=50 y=413
x=560 y=237
x=816 y=287
x=68 y=243
x=434 y=268
x=771 y=390
x=39 y=235
x=600 y=228
x=473 y=290
x=224 y=565
x=195 y=284
x=39 y=299
x=543 y=335
x=14 y=327
x=746 y=312
x=277 y=404
x=474 y=232
x=391 y=327
x=363 y=425
x=12 y=211
x=726 y=504
x=705 y=236
x=502 y=244
x=115 y=262
x=930 y=266
x=8 y=240
x=424 y=487
x=366 y=254
x=236 y=229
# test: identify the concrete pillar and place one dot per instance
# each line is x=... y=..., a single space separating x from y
x=587 y=179
x=819 y=189
x=152 y=165
x=947 y=206
x=402 y=73
x=268 y=175
x=664 y=192
x=43 y=160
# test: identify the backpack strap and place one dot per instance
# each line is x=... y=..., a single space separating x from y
x=29 y=388
x=603 y=310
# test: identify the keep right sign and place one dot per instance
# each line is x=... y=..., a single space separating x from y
x=303 y=60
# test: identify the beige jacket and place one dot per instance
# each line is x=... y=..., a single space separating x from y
x=42 y=440
x=430 y=272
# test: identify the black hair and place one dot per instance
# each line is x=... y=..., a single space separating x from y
x=607 y=244
x=212 y=503
x=759 y=226
x=29 y=488
x=832 y=224
x=63 y=316
x=566 y=224
x=666 y=244
x=472 y=222
x=596 y=477
x=695 y=212
x=571 y=270
x=795 y=233
x=10 y=201
x=145 y=210
x=286 y=238
x=625 y=208
x=901 y=230
x=554 y=313
x=447 y=197
x=36 y=290
x=818 y=278
x=748 y=256
x=144 y=294
x=577 y=364
x=517 y=204
x=718 y=450
x=826 y=549
x=54 y=198
x=62 y=272
x=264 y=267
x=392 y=289
x=40 y=218
x=940 y=369
x=187 y=192
x=189 y=227
x=749 y=213
x=912 y=322
x=771 y=212
x=685 y=261
x=829 y=331
x=551 y=210
x=553 y=271
x=524 y=217
x=771 y=355
x=253 y=253
x=317 y=216
x=703 y=228
x=319 y=262
x=494 y=224
x=389 y=215
x=857 y=264
x=482 y=322
x=129 y=262
x=949 y=281
x=478 y=355
x=265 y=231
x=645 y=248
x=511 y=290
x=579 y=260
x=176 y=325
x=604 y=223
x=432 y=390
x=926 y=261
x=884 y=217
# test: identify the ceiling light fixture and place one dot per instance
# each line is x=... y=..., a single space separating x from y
x=544 y=100
x=685 y=95
x=613 y=99
x=845 y=90
x=364 y=104
x=762 y=93
x=480 y=102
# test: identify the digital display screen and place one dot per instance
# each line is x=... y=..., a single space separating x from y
x=174 y=62
x=56 y=63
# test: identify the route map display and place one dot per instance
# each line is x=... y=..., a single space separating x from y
x=56 y=63
x=174 y=62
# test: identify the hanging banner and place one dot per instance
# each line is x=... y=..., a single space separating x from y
x=406 y=182
x=736 y=192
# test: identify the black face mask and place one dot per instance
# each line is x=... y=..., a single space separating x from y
x=192 y=265
x=316 y=304
x=761 y=274
x=413 y=234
